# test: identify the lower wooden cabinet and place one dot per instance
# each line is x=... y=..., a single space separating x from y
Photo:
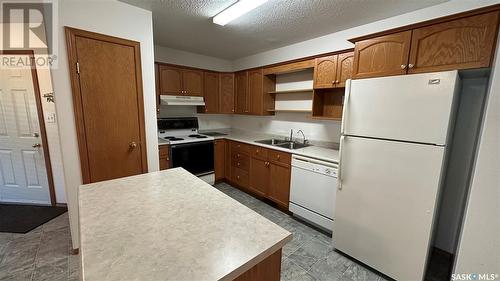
x=220 y=159
x=261 y=171
x=164 y=153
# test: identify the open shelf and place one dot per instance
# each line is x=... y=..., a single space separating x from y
x=292 y=91
x=328 y=104
x=291 y=110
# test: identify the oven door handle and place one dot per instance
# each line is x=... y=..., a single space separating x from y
x=190 y=144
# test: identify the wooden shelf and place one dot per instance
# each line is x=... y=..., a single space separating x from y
x=326 y=118
x=291 y=110
x=328 y=104
x=292 y=91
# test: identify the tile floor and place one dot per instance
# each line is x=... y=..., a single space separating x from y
x=43 y=254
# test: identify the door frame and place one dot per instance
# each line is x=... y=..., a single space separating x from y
x=71 y=34
x=41 y=118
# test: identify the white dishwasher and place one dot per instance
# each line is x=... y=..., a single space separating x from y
x=313 y=189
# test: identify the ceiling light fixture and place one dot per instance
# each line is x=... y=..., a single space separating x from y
x=236 y=10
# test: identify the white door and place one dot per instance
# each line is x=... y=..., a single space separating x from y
x=23 y=175
x=413 y=108
x=385 y=204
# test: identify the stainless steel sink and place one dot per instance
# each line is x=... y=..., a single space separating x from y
x=283 y=143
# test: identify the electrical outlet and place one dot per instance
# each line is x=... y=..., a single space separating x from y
x=51 y=118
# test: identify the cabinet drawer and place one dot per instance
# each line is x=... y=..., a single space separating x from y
x=240 y=177
x=259 y=152
x=242 y=162
x=241 y=147
x=164 y=151
x=280 y=157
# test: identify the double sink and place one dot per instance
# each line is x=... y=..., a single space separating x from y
x=283 y=143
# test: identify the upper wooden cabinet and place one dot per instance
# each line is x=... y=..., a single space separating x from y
x=211 y=92
x=241 y=93
x=458 y=44
x=255 y=90
x=462 y=43
x=226 y=93
x=325 y=72
x=180 y=81
x=382 y=56
x=345 y=62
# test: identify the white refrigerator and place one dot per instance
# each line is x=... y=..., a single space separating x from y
x=392 y=152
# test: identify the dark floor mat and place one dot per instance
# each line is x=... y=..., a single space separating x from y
x=24 y=218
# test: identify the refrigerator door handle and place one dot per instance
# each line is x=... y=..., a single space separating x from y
x=339 y=172
x=346 y=102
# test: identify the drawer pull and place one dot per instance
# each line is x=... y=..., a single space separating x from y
x=238 y=164
x=278 y=156
x=238 y=155
x=238 y=177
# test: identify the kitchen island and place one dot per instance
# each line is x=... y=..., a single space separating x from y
x=170 y=225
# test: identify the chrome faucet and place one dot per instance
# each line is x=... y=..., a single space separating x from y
x=291 y=135
x=303 y=136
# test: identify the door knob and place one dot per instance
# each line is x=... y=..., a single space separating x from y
x=132 y=145
x=37 y=145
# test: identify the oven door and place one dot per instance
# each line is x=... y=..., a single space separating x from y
x=195 y=157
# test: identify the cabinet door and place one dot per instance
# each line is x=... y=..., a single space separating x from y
x=459 y=44
x=170 y=80
x=256 y=91
x=220 y=159
x=192 y=82
x=163 y=151
x=242 y=92
x=325 y=72
x=226 y=93
x=259 y=176
x=344 y=68
x=279 y=184
x=211 y=92
x=382 y=56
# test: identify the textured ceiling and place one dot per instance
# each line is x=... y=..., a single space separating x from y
x=187 y=24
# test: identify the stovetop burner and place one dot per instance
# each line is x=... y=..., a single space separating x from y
x=173 y=138
x=197 y=136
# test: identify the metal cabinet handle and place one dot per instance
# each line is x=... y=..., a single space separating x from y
x=132 y=145
x=336 y=81
x=410 y=65
x=403 y=66
x=278 y=156
x=36 y=145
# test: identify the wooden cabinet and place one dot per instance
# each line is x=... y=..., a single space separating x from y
x=458 y=44
x=462 y=43
x=255 y=91
x=226 y=93
x=211 y=92
x=180 y=81
x=382 y=56
x=259 y=176
x=345 y=63
x=164 y=154
x=279 y=183
x=220 y=159
x=241 y=90
x=325 y=72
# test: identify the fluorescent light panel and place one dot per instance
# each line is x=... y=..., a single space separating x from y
x=236 y=10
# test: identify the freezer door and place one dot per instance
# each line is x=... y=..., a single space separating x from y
x=413 y=108
x=385 y=206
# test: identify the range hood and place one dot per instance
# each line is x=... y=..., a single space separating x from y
x=181 y=100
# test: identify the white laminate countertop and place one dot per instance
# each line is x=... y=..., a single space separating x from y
x=170 y=225
x=318 y=152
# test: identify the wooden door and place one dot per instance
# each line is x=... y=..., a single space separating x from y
x=192 y=82
x=325 y=72
x=24 y=159
x=259 y=176
x=226 y=93
x=459 y=44
x=211 y=92
x=344 y=68
x=108 y=101
x=170 y=80
x=382 y=56
x=256 y=91
x=220 y=159
x=279 y=183
x=242 y=102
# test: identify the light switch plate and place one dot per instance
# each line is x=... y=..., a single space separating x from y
x=51 y=118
